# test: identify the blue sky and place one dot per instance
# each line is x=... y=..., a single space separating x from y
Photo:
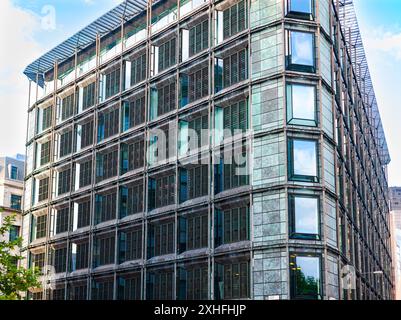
x=34 y=34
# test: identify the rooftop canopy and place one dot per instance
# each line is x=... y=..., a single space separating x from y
x=82 y=39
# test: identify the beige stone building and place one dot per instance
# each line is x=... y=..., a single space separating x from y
x=11 y=192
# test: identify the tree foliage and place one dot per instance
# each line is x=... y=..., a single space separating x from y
x=14 y=279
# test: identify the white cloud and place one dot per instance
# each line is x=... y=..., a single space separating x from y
x=19 y=48
x=385 y=41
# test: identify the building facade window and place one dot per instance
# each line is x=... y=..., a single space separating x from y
x=160 y=239
x=85 y=134
x=16 y=202
x=305 y=279
x=131 y=199
x=14 y=233
x=85 y=173
x=88 y=96
x=304 y=217
x=301 y=9
x=198 y=37
x=231 y=120
x=303 y=160
x=300 y=51
x=79 y=258
x=111 y=83
x=102 y=290
x=132 y=156
x=136 y=69
x=129 y=287
x=105 y=208
x=193 y=134
x=60 y=259
x=106 y=165
x=40 y=226
x=161 y=192
x=108 y=124
x=82 y=212
x=193 y=232
x=43 y=193
x=193 y=283
x=78 y=292
x=14 y=173
x=130 y=245
x=194 y=86
x=194 y=182
x=103 y=250
x=67 y=107
x=301 y=105
x=231 y=70
x=64 y=182
x=65 y=143
x=234 y=19
x=159 y=285
x=45 y=153
x=46 y=115
x=163 y=99
x=133 y=113
x=62 y=220
x=232 y=280
x=167 y=54
x=231 y=225
x=38 y=261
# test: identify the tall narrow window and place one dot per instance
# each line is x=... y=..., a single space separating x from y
x=88 y=96
x=108 y=124
x=198 y=38
x=231 y=69
x=160 y=239
x=45 y=153
x=46 y=118
x=304 y=217
x=105 y=209
x=67 y=107
x=103 y=250
x=137 y=70
x=43 y=193
x=234 y=19
x=192 y=282
x=16 y=202
x=132 y=156
x=300 y=53
x=64 y=182
x=193 y=232
x=85 y=173
x=112 y=83
x=303 y=160
x=163 y=99
x=167 y=54
x=62 y=216
x=305 y=277
x=301 y=104
x=131 y=199
x=130 y=245
x=194 y=182
x=232 y=280
x=106 y=165
x=65 y=143
x=133 y=112
x=79 y=255
x=14 y=173
x=231 y=225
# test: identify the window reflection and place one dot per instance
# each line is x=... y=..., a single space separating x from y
x=301 y=104
x=303 y=160
x=305 y=274
x=300 y=55
x=304 y=216
x=300 y=7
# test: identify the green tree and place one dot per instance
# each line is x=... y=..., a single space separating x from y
x=13 y=279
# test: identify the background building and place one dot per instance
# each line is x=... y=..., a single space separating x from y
x=11 y=192
x=116 y=218
x=395 y=213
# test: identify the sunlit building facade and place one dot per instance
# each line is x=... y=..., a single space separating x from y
x=271 y=177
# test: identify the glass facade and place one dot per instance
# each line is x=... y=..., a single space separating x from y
x=221 y=155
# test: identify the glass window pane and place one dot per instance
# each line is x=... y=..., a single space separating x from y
x=307 y=276
x=302 y=48
x=303 y=102
x=306 y=215
x=305 y=163
x=302 y=6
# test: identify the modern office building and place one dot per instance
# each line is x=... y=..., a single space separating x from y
x=11 y=193
x=133 y=122
x=395 y=214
